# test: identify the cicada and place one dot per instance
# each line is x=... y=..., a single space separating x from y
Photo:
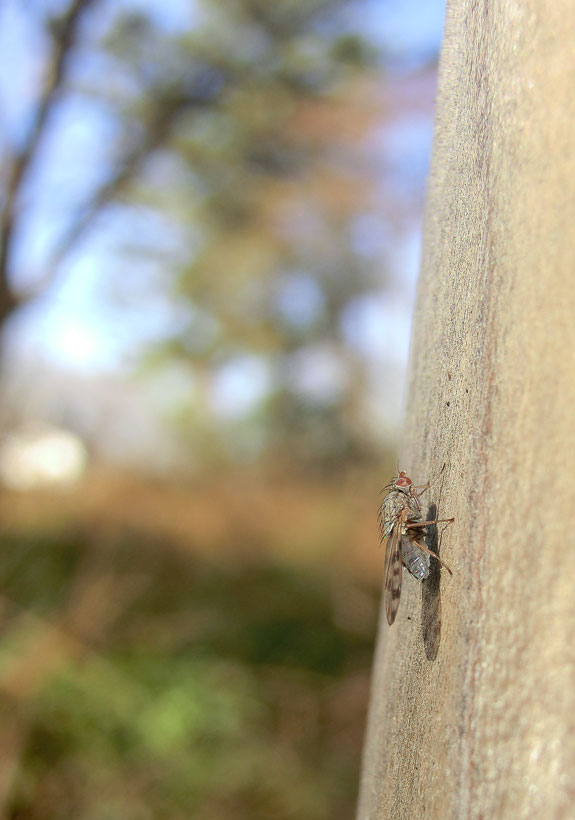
x=400 y=524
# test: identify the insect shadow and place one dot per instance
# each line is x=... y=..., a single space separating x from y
x=430 y=592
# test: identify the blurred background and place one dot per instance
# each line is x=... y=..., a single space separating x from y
x=210 y=227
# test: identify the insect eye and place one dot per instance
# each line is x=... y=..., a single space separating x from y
x=403 y=480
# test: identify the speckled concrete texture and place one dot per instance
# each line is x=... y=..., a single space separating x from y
x=473 y=701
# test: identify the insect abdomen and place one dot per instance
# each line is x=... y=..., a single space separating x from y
x=415 y=561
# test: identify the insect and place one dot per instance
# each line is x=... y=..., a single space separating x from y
x=400 y=522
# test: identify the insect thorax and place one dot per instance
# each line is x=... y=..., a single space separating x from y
x=393 y=505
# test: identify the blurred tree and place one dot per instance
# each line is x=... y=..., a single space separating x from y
x=238 y=139
x=225 y=156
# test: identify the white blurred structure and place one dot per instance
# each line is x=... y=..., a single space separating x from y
x=41 y=455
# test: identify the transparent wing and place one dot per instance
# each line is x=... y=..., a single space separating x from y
x=392 y=572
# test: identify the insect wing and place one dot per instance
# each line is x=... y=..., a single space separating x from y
x=392 y=573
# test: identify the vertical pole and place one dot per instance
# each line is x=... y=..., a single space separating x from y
x=473 y=700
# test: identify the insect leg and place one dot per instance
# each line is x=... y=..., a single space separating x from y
x=422 y=487
x=426 y=523
x=443 y=564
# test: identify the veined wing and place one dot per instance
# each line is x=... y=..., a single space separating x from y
x=392 y=572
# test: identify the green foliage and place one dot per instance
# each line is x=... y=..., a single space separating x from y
x=207 y=696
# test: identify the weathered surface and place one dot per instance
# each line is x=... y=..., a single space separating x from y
x=473 y=703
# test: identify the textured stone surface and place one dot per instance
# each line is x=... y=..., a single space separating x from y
x=473 y=702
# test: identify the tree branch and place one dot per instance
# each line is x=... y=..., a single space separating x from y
x=20 y=163
x=157 y=133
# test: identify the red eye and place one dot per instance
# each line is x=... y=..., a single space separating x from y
x=403 y=481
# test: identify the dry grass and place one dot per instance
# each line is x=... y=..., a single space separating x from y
x=243 y=514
